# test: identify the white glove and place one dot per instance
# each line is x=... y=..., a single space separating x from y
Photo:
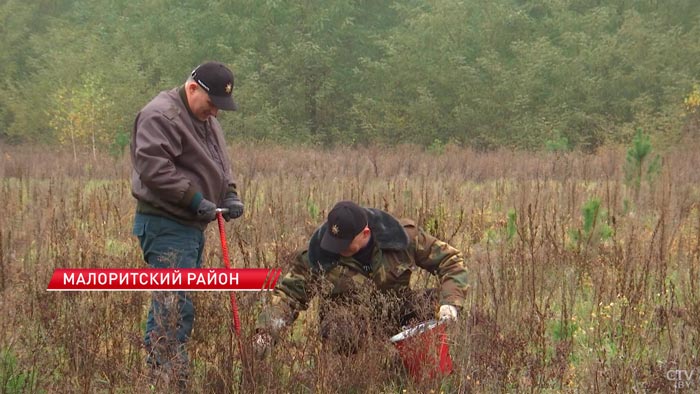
x=262 y=344
x=447 y=312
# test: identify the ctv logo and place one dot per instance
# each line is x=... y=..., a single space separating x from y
x=682 y=378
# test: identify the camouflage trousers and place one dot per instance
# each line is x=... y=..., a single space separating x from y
x=348 y=322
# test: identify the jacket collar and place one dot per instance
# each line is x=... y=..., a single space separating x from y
x=388 y=233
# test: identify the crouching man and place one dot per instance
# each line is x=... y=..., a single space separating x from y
x=361 y=259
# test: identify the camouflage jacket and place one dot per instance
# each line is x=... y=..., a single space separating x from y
x=399 y=247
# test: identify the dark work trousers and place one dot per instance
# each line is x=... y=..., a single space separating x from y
x=169 y=244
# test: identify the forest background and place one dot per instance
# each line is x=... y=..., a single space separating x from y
x=520 y=74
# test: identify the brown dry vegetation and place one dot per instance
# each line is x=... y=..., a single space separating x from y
x=550 y=310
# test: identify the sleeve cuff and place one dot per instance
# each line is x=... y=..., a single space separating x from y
x=194 y=202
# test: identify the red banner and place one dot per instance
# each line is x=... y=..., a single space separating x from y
x=166 y=279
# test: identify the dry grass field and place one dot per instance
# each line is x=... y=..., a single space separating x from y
x=579 y=282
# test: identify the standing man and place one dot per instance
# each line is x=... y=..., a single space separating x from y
x=364 y=248
x=181 y=173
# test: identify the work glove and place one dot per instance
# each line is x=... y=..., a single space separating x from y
x=234 y=205
x=206 y=210
x=262 y=344
x=447 y=312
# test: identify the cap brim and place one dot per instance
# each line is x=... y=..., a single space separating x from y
x=224 y=103
x=334 y=244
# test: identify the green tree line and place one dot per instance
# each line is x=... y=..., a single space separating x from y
x=502 y=73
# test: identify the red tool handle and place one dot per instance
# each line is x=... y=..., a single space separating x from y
x=227 y=263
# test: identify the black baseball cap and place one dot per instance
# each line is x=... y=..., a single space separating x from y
x=345 y=221
x=217 y=80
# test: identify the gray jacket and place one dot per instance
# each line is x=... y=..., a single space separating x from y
x=175 y=156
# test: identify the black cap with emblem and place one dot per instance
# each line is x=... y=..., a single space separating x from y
x=345 y=221
x=217 y=80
